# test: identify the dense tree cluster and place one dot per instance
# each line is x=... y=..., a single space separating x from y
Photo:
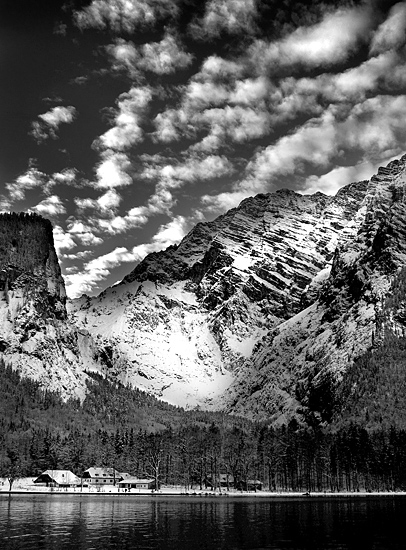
x=123 y=428
x=24 y=243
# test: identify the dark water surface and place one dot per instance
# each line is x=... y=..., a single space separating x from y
x=107 y=522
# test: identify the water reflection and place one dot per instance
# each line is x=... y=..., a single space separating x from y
x=122 y=522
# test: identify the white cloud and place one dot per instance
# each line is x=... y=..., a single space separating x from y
x=98 y=269
x=67 y=176
x=112 y=170
x=62 y=240
x=238 y=123
x=31 y=179
x=373 y=129
x=51 y=206
x=135 y=217
x=171 y=233
x=392 y=32
x=164 y=57
x=82 y=233
x=192 y=169
x=50 y=121
x=127 y=130
x=333 y=180
x=124 y=15
x=326 y=43
x=108 y=202
x=125 y=56
x=232 y=16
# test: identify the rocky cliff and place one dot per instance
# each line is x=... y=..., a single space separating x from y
x=35 y=335
x=185 y=322
x=297 y=367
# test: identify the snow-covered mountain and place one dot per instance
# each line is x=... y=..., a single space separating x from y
x=295 y=368
x=183 y=325
x=259 y=312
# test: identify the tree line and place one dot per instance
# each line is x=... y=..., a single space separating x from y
x=130 y=431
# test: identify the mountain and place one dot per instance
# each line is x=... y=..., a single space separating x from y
x=36 y=337
x=299 y=367
x=282 y=308
x=184 y=323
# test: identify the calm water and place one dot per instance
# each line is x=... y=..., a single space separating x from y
x=108 y=522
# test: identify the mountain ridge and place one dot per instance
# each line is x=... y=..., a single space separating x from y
x=200 y=307
x=260 y=312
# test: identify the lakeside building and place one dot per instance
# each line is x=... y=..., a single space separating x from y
x=57 y=478
x=225 y=481
x=103 y=476
x=135 y=483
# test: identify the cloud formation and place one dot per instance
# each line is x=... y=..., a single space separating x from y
x=49 y=122
x=326 y=43
x=199 y=105
x=391 y=34
x=124 y=15
x=231 y=16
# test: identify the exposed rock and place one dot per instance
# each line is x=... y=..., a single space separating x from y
x=185 y=319
x=35 y=336
x=296 y=368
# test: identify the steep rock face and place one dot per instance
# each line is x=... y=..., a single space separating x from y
x=35 y=336
x=295 y=369
x=185 y=320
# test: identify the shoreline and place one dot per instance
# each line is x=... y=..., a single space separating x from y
x=191 y=494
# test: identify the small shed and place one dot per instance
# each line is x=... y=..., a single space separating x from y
x=57 y=478
x=135 y=483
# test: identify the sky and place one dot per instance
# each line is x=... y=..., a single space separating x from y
x=126 y=122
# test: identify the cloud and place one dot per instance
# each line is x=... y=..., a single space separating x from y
x=49 y=122
x=330 y=182
x=67 y=176
x=112 y=171
x=135 y=217
x=193 y=169
x=162 y=58
x=238 y=123
x=373 y=128
x=31 y=179
x=326 y=43
x=50 y=207
x=124 y=15
x=232 y=16
x=108 y=202
x=62 y=240
x=391 y=34
x=129 y=116
x=83 y=234
x=98 y=269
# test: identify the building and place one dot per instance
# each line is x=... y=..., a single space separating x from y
x=225 y=481
x=250 y=485
x=135 y=483
x=57 y=478
x=101 y=476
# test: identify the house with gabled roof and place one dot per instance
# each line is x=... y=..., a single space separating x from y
x=57 y=478
x=101 y=476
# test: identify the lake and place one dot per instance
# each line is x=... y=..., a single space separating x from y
x=105 y=522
